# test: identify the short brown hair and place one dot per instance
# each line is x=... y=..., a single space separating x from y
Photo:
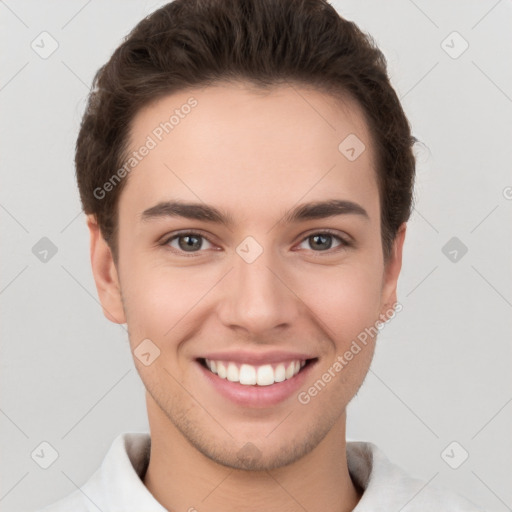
x=196 y=43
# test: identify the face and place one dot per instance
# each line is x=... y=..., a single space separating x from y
x=271 y=284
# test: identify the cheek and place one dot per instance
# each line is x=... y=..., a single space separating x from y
x=346 y=299
x=160 y=300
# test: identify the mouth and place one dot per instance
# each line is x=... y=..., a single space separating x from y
x=259 y=386
x=255 y=375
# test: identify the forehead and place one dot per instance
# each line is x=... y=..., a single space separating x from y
x=235 y=146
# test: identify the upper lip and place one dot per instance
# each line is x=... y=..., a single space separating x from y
x=256 y=358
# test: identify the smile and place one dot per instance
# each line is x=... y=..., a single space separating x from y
x=251 y=375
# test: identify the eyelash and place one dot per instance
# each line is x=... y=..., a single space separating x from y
x=344 y=243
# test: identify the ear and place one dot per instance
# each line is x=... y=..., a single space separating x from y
x=105 y=274
x=391 y=273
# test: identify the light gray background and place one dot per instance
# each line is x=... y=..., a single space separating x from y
x=442 y=368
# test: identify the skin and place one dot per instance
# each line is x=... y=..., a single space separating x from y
x=255 y=155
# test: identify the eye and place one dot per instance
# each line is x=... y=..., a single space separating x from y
x=323 y=240
x=188 y=241
x=192 y=242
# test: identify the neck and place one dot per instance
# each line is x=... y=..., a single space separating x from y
x=182 y=478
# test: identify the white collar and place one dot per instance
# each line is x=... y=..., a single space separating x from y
x=117 y=485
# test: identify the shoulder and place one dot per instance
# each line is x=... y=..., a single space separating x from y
x=116 y=484
x=75 y=502
x=386 y=486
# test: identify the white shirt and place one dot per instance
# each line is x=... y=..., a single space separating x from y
x=117 y=486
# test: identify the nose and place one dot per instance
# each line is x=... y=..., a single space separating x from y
x=259 y=296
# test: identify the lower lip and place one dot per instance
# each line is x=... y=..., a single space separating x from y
x=257 y=396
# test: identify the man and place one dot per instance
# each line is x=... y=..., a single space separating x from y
x=247 y=172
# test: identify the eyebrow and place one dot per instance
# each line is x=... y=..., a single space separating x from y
x=207 y=213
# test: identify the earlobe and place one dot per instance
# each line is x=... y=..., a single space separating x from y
x=392 y=272
x=105 y=274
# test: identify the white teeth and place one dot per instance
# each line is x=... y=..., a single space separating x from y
x=280 y=373
x=232 y=374
x=247 y=374
x=250 y=375
x=221 y=370
x=289 y=370
x=265 y=375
